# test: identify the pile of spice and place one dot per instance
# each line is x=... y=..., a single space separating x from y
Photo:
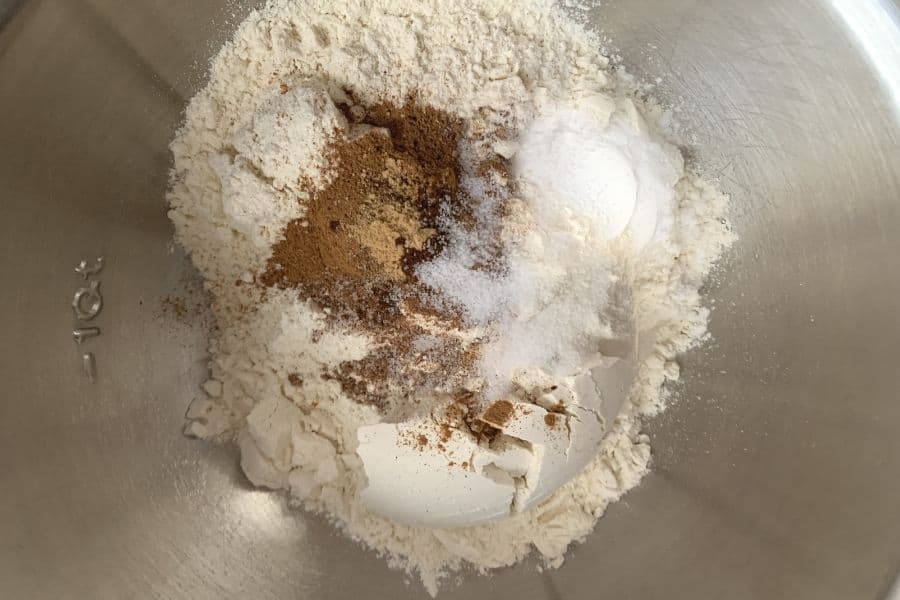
x=395 y=187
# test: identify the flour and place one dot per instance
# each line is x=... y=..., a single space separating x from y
x=245 y=160
x=285 y=139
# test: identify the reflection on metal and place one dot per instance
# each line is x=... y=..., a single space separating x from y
x=86 y=270
x=89 y=366
x=894 y=594
x=876 y=26
x=87 y=302
x=84 y=333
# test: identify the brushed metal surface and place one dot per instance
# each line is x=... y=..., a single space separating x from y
x=775 y=477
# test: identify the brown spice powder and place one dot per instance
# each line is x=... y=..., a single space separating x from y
x=396 y=172
x=174 y=305
x=392 y=173
x=446 y=432
x=499 y=413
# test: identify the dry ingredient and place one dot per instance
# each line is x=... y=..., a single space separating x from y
x=355 y=251
x=452 y=260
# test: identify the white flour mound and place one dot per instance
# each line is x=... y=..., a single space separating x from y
x=246 y=145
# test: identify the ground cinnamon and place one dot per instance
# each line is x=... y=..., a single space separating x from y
x=395 y=185
x=499 y=413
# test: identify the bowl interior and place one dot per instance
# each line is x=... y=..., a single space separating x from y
x=774 y=474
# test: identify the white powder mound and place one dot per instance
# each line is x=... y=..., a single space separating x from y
x=604 y=167
x=285 y=139
x=247 y=151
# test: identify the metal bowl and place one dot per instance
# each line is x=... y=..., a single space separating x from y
x=775 y=475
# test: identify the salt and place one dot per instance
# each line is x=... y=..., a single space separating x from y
x=600 y=189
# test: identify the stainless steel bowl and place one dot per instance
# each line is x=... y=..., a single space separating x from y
x=775 y=476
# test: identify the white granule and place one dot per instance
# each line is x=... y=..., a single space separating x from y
x=240 y=159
